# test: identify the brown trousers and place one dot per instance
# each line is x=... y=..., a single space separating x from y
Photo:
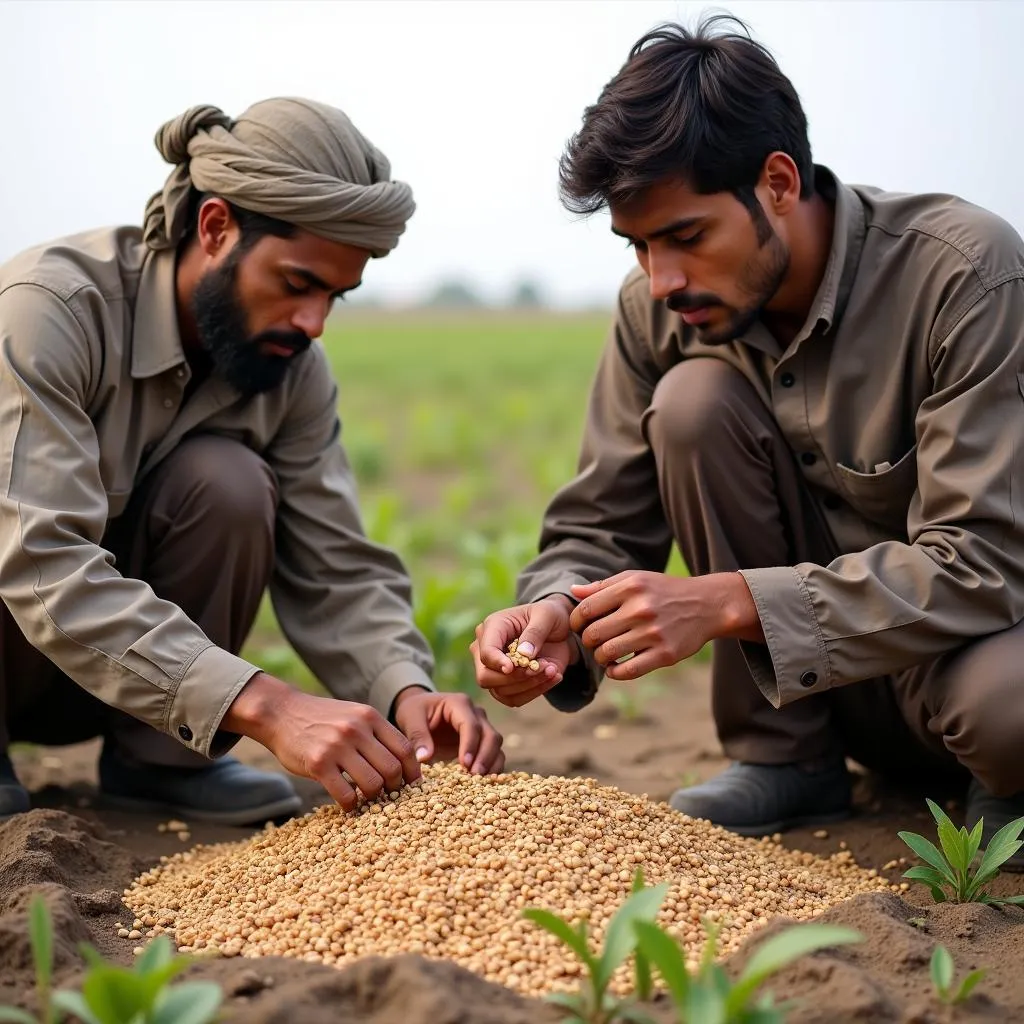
x=736 y=499
x=200 y=531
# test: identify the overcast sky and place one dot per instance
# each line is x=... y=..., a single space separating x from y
x=473 y=100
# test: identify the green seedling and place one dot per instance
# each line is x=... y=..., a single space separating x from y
x=943 y=977
x=593 y=1003
x=630 y=700
x=707 y=996
x=142 y=994
x=947 y=872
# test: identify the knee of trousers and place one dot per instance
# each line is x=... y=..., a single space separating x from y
x=981 y=713
x=699 y=405
x=229 y=484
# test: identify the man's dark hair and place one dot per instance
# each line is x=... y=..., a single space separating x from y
x=706 y=107
x=252 y=226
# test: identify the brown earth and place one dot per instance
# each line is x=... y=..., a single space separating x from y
x=81 y=855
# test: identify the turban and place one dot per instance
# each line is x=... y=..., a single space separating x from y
x=298 y=161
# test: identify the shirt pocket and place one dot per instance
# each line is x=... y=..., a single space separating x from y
x=883 y=497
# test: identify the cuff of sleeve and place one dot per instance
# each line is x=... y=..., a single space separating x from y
x=202 y=698
x=793 y=663
x=579 y=683
x=392 y=681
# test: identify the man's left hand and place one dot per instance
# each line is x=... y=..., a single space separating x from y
x=660 y=619
x=446 y=726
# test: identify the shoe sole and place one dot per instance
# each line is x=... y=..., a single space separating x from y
x=763 y=829
x=285 y=807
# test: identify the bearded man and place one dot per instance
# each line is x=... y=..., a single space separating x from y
x=169 y=449
x=817 y=391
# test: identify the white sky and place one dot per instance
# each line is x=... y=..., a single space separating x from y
x=472 y=101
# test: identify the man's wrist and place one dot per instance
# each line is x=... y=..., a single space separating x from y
x=402 y=696
x=739 y=618
x=256 y=705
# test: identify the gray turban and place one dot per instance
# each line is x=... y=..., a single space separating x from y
x=293 y=159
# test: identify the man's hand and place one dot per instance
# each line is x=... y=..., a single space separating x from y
x=660 y=619
x=321 y=737
x=448 y=725
x=542 y=629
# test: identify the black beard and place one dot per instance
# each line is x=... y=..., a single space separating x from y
x=223 y=333
x=761 y=280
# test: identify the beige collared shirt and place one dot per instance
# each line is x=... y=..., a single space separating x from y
x=903 y=398
x=92 y=376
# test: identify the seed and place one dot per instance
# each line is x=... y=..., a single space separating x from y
x=446 y=869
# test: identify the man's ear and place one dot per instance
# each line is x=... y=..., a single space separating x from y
x=780 y=183
x=216 y=227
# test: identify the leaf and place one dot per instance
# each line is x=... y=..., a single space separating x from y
x=950 y=839
x=158 y=978
x=1017 y=901
x=705 y=1004
x=114 y=994
x=968 y=985
x=73 y=1003
x=633 y=1015
x=783 y=949
x=1003 y=845
x=157 y=953
x=191 y=1002
x=938 y=895
x=929 y=876
x=643 y=983
x=12 y=1015
x=942 y=971
x=710 y=947
x=974 y=842
x=40 y=930
x=620 y=939
x=928 y=853
x=564 y=931
x=570 y=1000
x=664 y=953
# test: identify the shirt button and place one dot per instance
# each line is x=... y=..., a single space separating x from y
x=186 y=733
x=832 y=502
x=168 y=402
x=808 y=679
x=787 y=380
x=808 y=458
x=179 y=373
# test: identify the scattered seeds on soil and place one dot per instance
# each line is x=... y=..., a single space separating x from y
x=445 y=867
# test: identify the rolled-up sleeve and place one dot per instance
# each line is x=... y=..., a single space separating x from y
x=609 y=518
x=344 y=602
x=111 y=635
x=960 y=575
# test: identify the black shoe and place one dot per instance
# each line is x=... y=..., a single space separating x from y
x=997 y=812
x=14 y=798
x=225 y=792
x=761 y=799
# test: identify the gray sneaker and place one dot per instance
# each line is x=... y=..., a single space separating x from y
x=14 y=798
x=761 y=799
x=997 y=812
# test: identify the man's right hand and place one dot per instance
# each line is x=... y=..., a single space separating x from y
x=321 y=737
x=542 y=629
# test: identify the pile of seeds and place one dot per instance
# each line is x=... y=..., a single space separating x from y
x=521 y=660
x=445 y=867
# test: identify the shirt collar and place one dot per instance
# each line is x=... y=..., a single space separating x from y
x=156 y=343
x=847 y=244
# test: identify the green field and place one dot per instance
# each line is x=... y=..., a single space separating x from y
x=459 y=428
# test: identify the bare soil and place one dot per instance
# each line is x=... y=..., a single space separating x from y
x=81 y=855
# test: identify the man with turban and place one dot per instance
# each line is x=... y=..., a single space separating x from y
x=169 y=448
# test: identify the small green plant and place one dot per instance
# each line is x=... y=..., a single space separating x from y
x=947 y=872
x=707 y=996
x=630 y=699
x=141 y=994
x=943 y=976
x=593 y=1004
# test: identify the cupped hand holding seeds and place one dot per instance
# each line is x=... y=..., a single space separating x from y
x=520 y=653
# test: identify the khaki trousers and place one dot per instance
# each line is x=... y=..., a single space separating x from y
x=200 y=531
x=735 y=499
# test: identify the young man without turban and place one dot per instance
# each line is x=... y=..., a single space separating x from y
x=169 y=449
